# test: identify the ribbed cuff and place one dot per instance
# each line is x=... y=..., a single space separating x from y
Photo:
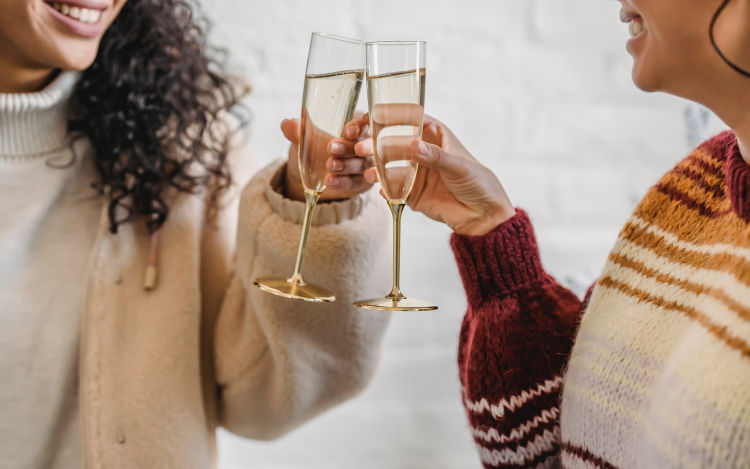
x=501 y=262
x=325 y=212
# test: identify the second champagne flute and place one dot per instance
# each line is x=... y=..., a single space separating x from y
x=335 y=69
x=395 y=92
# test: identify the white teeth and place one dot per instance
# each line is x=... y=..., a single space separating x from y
x=635 y=27
x=84 y=15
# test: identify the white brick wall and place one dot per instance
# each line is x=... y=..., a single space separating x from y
x=540 y=91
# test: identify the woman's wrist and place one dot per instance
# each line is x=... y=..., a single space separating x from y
x=486 y=223
x=292 y=186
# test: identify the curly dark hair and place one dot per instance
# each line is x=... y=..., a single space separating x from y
x=152 y=104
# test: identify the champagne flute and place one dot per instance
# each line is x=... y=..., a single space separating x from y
x=395 y=92
x=335 y=69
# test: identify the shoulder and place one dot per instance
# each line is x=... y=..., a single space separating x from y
x=698 y=181
x=692 y=200
x=708 y=159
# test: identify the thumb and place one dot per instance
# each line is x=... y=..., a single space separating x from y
x=432 y=156
x=291 y=129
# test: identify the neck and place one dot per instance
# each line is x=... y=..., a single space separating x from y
x=26 y=82
x=20 y=78
x=744 y=149
x=732 y=104
x=737 y=116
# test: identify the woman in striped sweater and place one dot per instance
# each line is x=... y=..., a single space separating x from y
x=652 y=370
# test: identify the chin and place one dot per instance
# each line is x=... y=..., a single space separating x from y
x=80 y=59
x=644 y=79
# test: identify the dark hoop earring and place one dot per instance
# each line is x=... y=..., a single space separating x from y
x=735 y=67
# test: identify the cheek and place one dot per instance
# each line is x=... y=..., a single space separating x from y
x=52 y=47
x=666 y=55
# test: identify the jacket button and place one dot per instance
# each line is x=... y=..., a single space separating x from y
x=120 y=439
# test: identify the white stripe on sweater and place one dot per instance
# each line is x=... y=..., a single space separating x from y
x=705 y=305
x=724 y=281
x=516 y=401
x=520 y=431
x=524 y=454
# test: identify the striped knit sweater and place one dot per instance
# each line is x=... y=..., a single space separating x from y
x=653 y=369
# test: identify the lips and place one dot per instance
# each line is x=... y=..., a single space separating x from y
x=84 y=15
x=633 y=20
x=80 y=17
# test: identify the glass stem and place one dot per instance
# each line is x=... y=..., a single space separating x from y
x=311 y=199
x=397 y=209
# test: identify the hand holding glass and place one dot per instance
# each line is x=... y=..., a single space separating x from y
x=395 y=91
x=335 y=69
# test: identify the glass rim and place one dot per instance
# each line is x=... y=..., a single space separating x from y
x=338 y=38
x=396 y=43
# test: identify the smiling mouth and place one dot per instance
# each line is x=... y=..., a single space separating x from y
x=78 y=13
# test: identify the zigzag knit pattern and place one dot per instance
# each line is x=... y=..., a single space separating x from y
x=659 y=376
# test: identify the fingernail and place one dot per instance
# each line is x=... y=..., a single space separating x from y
x=333 y=182
x=335 y=165
x=337 y=148
x=423 y=151
x=351 y=132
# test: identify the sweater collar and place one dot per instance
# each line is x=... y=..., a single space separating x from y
x=36 y=123
x=737 y=177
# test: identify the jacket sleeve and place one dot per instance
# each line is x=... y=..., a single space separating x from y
x=515 y=340
x=279 y=362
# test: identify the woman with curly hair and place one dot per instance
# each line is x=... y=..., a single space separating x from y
x=131 y=329
x=652 y=369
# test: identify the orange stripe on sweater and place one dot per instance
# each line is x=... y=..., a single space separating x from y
x=721 y=262
x=693 y=287
x=720 y=332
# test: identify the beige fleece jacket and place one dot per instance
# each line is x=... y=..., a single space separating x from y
x=161 y=370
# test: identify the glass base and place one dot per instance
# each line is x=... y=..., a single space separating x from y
x=287 y=289
x=404 y=304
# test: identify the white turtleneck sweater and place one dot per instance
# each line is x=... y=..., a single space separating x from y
x=48 y=219
x=159 y=371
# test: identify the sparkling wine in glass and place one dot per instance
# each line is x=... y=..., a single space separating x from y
x=335 y=70
x=395 y=92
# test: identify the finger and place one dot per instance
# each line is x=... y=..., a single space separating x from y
x=353 y=184
x=398 y=114
x=339 y=147
x=291 y=129
x=356 y=128
x=395 y=147
x=432 y=133
x=363 y=148
x=344 y=166
x=428 y=120
x=371 y=175
x=435 y=157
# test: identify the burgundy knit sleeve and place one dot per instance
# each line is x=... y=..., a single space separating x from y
x=515 y=340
